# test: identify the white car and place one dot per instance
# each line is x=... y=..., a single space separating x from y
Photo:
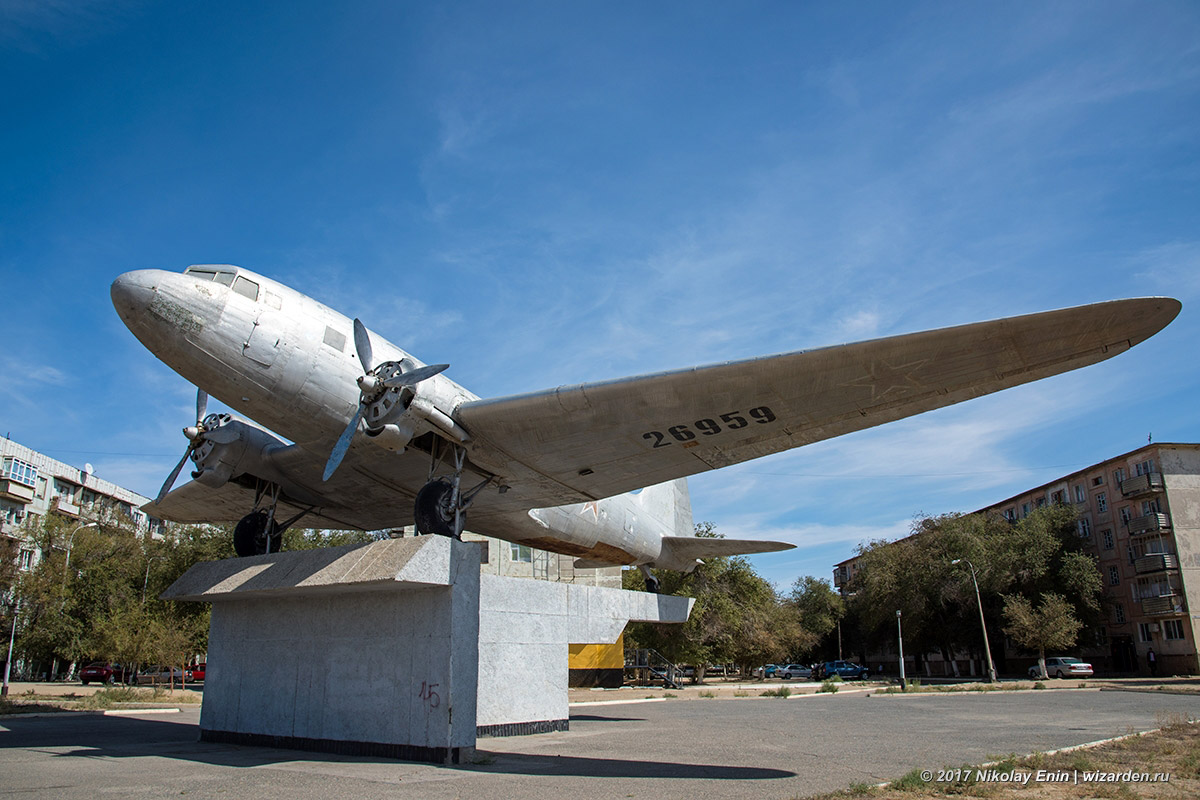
x=1061 y=667
x=161 y=674
x=789 y=671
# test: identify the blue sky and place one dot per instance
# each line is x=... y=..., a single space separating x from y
x=550 y=193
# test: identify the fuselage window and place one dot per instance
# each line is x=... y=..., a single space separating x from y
x=335 y=339
x=246 y=287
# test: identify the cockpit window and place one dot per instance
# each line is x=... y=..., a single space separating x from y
x=246 y=287
x=221 y=276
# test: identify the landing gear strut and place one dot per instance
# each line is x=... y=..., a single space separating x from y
x=652 y=584
x=258 y=532
x=441 y=504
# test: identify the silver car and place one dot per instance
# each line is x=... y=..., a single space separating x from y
x=1061 y=667
x=789 y=671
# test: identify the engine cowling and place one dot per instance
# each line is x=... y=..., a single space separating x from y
x=230 y=447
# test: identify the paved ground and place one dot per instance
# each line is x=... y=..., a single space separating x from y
x=719 y=748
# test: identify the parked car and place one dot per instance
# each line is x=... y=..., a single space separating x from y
x=767 y=671
x=162 y=674
x=794 y=671
x=103 y=672
x=846 y=669
x=1063 y=667
x=195 y=672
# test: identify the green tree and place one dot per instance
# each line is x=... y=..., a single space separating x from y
x=737 y=617
x=1028 y=558
x=1051 y=626
x=819 y=609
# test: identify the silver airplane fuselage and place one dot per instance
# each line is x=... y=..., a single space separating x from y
x=287 y=362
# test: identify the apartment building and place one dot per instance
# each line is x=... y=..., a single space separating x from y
x=1139 y=515
x=32 y=485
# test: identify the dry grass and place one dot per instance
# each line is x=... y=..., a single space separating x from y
x=1173 y=751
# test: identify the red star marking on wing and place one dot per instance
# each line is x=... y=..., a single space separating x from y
x=593 y=507
x=883 y=377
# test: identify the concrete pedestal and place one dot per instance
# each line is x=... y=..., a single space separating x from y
x=394 y=648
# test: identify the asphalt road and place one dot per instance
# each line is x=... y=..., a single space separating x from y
x=746 y=747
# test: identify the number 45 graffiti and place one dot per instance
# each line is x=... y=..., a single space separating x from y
x=427 y=693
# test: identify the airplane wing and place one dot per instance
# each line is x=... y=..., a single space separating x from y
x=194 y=502
x=596 y=440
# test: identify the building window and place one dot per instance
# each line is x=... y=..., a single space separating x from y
x=1101 y=636
x=1010 y=514
x=1056 y=497
x=1114 y=576
x=1098 y=480
x=1102 y=502
x=520 y=552
x=1143 y=631
x=1107 y=536
x=1126 y=515
x=1041 y=501
x=1024 y=510
x=1144 y=467
x=26 y=560
x=1085 y=527
x=17 y=470
x=1151 y=506
x=1080 y=493
x=1173 y=629
x=1119 y=613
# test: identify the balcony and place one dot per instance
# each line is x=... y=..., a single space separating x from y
x=1157 y=521
x=839 y=578
x=1155 y=562
x=1142 y=484
x=13 y=490
x=64 y=506
x=1166 y=605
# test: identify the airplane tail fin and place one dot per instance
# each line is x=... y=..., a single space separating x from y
x=671 y=503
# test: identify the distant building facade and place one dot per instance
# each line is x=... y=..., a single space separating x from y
x=1139 y=515
x=33 y=485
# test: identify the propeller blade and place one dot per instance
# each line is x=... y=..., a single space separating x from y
x=343 y=443
x=362 y=345
x=201 y=405
x=166 y=487
x=415 y=376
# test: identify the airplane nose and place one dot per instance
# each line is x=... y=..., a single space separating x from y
x=132 y=293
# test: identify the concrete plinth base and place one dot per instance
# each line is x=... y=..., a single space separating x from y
x=395 y=648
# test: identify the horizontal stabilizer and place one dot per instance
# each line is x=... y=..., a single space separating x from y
x=681 y=552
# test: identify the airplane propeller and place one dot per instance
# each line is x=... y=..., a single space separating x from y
x=194 y=434
x=371 y=386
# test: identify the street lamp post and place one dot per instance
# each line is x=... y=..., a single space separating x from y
x=12 y=638
x=900 y=636
x=70 y=542
x=987 y=648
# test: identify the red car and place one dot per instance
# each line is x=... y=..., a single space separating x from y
x=195 y=672
x=101 y=672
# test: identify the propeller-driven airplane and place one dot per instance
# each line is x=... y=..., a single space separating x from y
x=378 y=439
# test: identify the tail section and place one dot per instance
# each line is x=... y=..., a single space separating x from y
x=671 y=504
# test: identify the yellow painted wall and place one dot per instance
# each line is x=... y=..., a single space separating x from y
x=597 y=656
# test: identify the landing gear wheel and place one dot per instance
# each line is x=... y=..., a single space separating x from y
x=652 y=584
x=434 y=511
x=250 y=536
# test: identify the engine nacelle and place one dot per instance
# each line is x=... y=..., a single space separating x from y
x=229 y=448
x=393 y=436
